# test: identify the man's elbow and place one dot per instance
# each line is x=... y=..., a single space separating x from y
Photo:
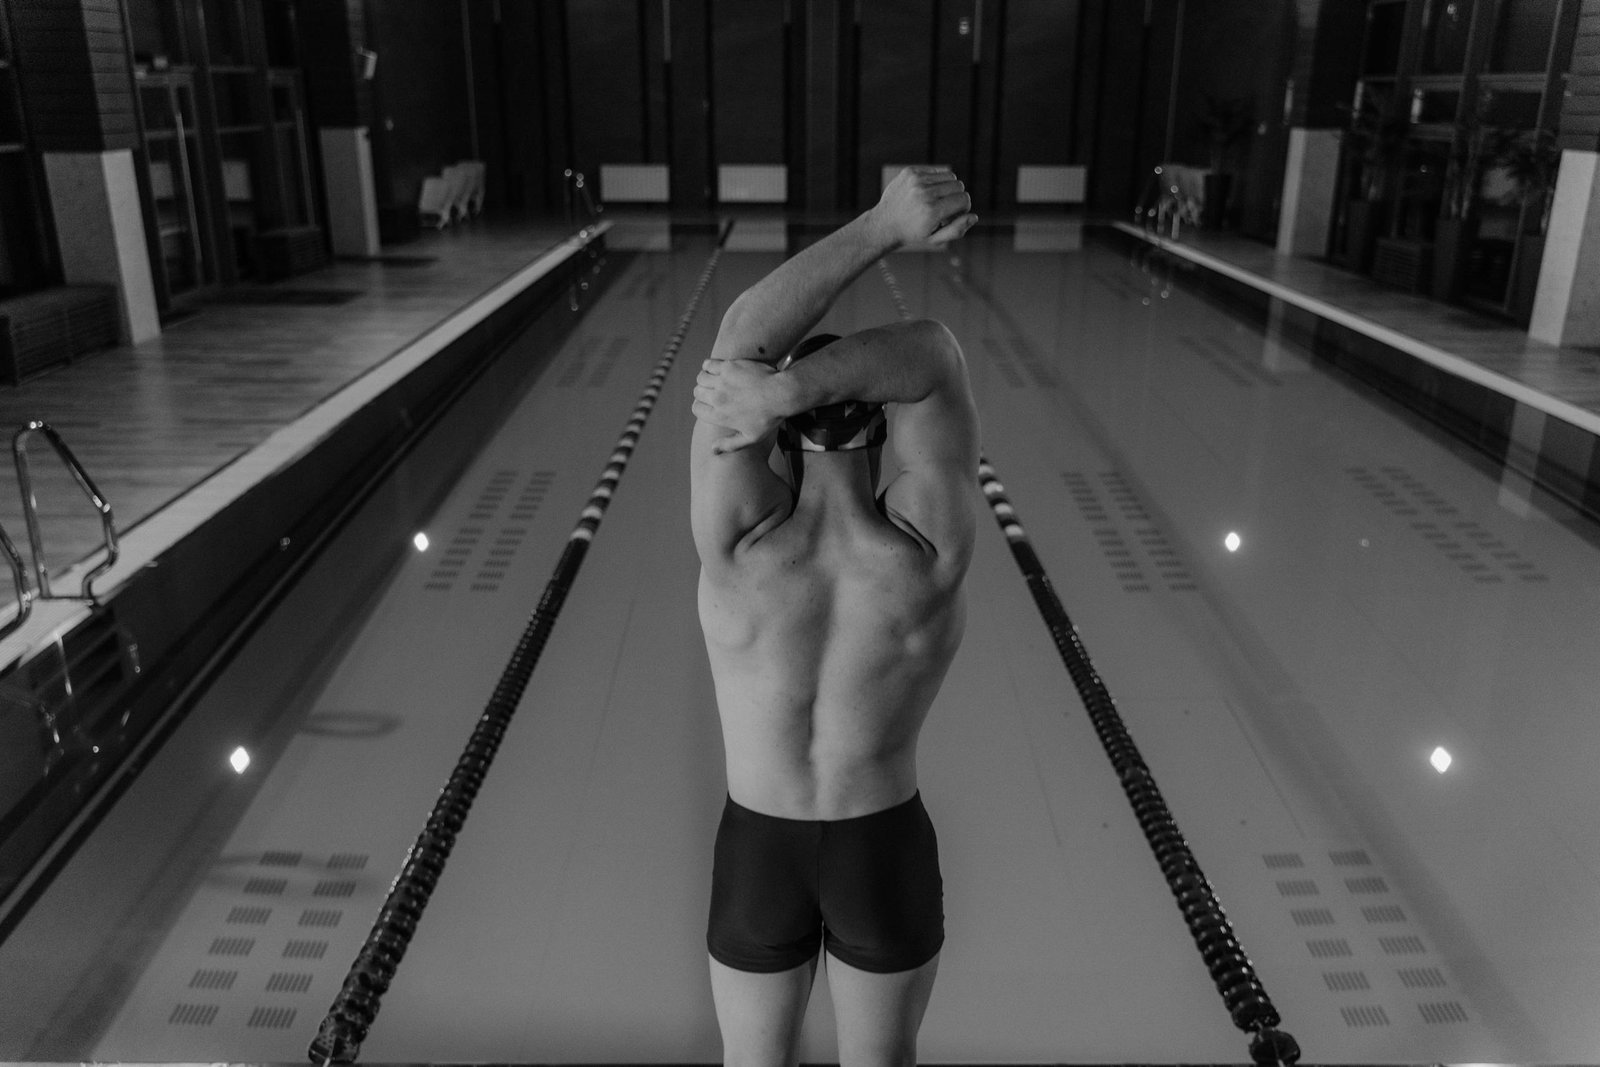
x=939 y=340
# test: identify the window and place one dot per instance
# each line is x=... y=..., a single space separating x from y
x=158 y=39
x=1445 y=26
x=1386 y=23
x=1522 y=33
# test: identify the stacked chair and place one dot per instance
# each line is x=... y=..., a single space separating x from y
x=452 y=196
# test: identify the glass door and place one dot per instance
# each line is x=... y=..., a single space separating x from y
x=173 y=155
x=293 y=152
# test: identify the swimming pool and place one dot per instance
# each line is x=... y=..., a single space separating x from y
x=1302 y=597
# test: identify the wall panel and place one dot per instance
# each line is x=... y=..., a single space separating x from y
x=422 y=75
x=747 y=70
x=71 y=61
x=950 y=96
x=1580 y=111
x=689 y=83
x=1037 y=101
x=896 y=83
x=608 y=119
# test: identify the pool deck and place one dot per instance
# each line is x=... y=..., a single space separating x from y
x=152 y=422
x=1564 y=382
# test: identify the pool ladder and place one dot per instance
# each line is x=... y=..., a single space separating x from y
x=30 y=511
x=578 y=200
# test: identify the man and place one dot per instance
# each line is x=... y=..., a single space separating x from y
x=830 y=617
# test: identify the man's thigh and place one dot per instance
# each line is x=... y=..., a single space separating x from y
x=879 y=1015
x=760 y=1014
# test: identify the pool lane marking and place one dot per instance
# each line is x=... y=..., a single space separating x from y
x=356 y=1005
x=1231 y=971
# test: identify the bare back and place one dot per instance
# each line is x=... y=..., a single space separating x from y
x=828 y=641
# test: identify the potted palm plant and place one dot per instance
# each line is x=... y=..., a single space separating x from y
x=1456 y=226
x=1377 y=136
x=1530 y=162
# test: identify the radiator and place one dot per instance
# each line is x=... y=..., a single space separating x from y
x=752 y=184
x=634 y=183
x=39 y=330
x=1050 y=185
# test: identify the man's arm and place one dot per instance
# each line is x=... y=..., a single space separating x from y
x=735 y=496
x=772 y=316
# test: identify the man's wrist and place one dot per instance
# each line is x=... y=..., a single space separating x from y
x=789 y=394
x=877 y=233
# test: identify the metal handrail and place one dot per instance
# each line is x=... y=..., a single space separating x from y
x=19 y=577
x=576 y=189
x=30 y=507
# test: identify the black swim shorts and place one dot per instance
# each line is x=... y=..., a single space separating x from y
x=868 y=888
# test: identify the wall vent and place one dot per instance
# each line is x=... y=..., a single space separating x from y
x=193 y=1015
x=289 y=982
x=1330 y=949
x=1402 y=946
x=1311 y=916
x=232 y=946
x=1351 y=858
x=222 y=980
x=1421 y=977
x=1346 y=981
x=305 y=950
x=271 y=1019
x=1449 y=1012
x=1365 y=1015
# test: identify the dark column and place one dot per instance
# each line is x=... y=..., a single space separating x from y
x=1327 y=59
x=826 y=24
x=1580 y=111
x=72 y=62
x=1565 y=311
x=73 y=69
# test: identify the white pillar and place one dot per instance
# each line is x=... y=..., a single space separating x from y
x=1566 y=309
x=1306 y=210
x=94 y=197
x=352 y=195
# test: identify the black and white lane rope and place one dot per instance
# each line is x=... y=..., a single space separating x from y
x=347 y=1022
x=1235 y=978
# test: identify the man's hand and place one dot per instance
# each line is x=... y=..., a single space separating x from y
x=741 y=395
x=924 y=205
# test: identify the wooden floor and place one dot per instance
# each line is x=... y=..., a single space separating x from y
x=1567 y=374
x=150 y=421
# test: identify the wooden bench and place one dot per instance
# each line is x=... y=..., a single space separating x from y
x=40 y=330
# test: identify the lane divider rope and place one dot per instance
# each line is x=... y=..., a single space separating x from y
x=355 y=1007
x=1247 y=1002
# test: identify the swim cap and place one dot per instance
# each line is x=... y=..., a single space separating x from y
x=842 y=427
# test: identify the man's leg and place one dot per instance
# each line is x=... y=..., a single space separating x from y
x=760 y=1014
x=879 y=1014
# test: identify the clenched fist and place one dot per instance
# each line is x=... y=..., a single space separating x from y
x=924 y=204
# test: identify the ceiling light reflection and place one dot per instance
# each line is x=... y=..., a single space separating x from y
x=240 y=760
x=1232 y=542
x=421 y=541
x=1440 y=759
